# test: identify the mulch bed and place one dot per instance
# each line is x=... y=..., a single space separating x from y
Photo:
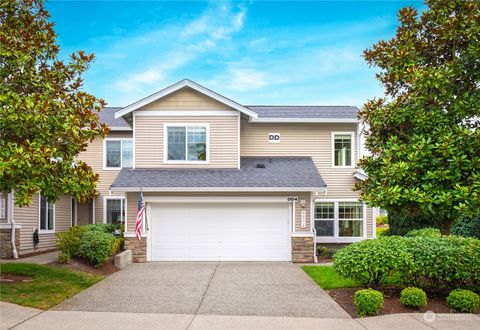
x=436 y=302
x=7 y=278
x=80 y=265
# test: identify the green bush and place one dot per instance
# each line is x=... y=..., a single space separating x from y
x=424 y=232
x=413 y=297
x=103 y=227
x=68 y=242
x=370 y=262
x=368 y=302
x=382 y=220
x=326 y=252
x=96 y=247
x=468 y=227
x=463 y=301
x=400 y=224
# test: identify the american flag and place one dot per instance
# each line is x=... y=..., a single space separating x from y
x=140 y=212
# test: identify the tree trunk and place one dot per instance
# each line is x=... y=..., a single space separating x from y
x=446 y=226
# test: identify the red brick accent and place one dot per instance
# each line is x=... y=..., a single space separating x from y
x=139 y=248
x=302 y=249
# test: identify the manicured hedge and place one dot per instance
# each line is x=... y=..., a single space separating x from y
x=464 y=301
x=95 y=243
x=368 y=302
x=426 y=262
x=413 y=297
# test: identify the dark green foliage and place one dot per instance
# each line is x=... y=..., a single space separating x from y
x=468 y=227
x=382 y=220
x=326 y=252
x=368 y=302
x=96 y=247
x=424 y=232
x=104 y=227
x=464 y=301
x=68 y=242
x=413 y=297
x=371 y=262
x=400 y=223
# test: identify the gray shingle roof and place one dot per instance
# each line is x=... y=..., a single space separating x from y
x=294 y=111
x=107 y=116
x=288 y=172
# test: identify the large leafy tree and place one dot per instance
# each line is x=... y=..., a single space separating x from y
x=46 y=119
x=424 y=135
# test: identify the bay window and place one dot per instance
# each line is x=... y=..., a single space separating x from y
x=342 y=220
x=186 y=143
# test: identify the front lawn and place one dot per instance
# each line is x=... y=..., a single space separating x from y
x=41 y=286
x=327 y=279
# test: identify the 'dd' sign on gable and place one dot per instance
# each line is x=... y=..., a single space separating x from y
x=274 y=137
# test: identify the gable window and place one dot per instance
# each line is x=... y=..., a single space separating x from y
x=118 y=153
x=187 y=143
x=114 y=210
x=339 y=219
x=46 y=216
x=342 y=149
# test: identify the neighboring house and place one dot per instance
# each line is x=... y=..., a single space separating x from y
x=221 y=181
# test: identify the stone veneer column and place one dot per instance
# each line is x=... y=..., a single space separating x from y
x=6 y=242
x=139 y=248
x=302 y=249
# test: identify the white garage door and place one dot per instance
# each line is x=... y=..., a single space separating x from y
x=219 y=232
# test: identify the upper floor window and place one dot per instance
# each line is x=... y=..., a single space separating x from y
x=342 y=149
x=118 y=153
x=46 y=216
x=187 y=143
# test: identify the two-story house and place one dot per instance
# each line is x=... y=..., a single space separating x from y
x=221 y=181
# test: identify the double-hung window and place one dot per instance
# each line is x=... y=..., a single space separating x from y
x=342 y=148
x=186 y=143
x=118 y=153
x=46 y=215
x=114 y=210
x=340 y=220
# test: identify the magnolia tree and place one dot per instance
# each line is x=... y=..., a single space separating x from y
x=424 y=134
x=46 y=119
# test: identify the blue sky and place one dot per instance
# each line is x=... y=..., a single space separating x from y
x=255 y=52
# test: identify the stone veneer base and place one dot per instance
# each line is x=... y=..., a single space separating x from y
x=138 y=248
x=302 y=249
x=6 y=244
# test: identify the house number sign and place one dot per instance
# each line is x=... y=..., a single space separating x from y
x=292 y=199
x=274 y=137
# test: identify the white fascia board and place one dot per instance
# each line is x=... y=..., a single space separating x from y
x=125 y=128
x=360 y=175
x=304 y=120
x=181 y=84
x=218 y=189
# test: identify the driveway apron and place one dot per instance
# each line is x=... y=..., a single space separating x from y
x=228 y=288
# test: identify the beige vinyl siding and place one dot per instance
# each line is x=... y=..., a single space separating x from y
x=132 y=199
x=149 y=141
x=28 y=218
x=4 y=200
x=371 y=224
x=314 y=140
x=93 y=156
x=186 y=99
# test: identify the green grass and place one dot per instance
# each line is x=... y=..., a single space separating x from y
x=49 y=287
x=327 y=279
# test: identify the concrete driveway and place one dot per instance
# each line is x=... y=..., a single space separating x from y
x=229 y=288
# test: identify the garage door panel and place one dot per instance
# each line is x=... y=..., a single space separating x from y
x=220 y=231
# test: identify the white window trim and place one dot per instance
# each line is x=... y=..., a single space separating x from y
x=336 y=238
x=122 y=205
x=186 y=125
x=75 y=219
x=45 y=231
x=105 y=167
x=352 y=134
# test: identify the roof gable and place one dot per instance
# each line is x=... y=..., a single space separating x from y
x=179 y=85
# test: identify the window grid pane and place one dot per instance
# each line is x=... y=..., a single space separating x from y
x=350 y=210
x=127 y=153
x=350 y=228
x=343 y=150
x=43 y=213
x=324 y=210
x=176 y=143
x=114 y=153
x=114 y=211
x=50 y=216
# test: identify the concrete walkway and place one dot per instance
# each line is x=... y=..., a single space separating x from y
x=41 y=259
x=17 y=317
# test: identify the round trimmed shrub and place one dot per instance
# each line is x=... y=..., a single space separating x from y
x=368 y=302
x=413 y=297
x=464 y=300
x=96 y=247
x=371 y=262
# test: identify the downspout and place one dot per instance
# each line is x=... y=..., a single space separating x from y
x=11 y=221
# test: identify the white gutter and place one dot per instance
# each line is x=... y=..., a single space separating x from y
x=11 y=221
x=303 y=120
x=218 y=189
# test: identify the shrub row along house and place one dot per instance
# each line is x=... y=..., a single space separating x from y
x=221 y=181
